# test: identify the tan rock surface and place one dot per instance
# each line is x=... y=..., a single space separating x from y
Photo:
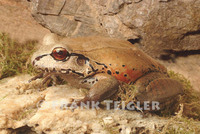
x=39 y=112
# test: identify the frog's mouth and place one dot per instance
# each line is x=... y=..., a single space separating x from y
x=45 y=73
x=61 y=71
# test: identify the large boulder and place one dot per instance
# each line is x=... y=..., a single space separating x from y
x=159 y=25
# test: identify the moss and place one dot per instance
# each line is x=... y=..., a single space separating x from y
x=14 y=56
x=190 y=99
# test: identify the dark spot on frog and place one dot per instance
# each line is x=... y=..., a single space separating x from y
x=109 y=64
x=109 y=72
x=96 y=79
x=125 y=75
x=117 y=72
x=54 y=70
x=153 y=65
x=46 y=69
x=93 y=82
x=123 y=65
x=134 y=69
x=89 y=72
x=102 y=68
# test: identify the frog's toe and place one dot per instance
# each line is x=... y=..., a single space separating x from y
x=41 y=75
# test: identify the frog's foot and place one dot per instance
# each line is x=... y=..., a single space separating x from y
x=104 y=87
x=47 y=78
x=165 y=91
x=40 y=75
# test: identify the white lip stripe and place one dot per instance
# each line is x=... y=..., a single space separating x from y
x=63 y=71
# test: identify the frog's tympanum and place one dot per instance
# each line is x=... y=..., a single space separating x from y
x=101 y=64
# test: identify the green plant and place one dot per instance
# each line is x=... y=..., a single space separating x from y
x=14 y=57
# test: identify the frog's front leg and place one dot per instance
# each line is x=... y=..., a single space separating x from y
x=46 y=77
x=102 y=86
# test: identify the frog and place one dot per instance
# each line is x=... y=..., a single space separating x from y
x=101 y=65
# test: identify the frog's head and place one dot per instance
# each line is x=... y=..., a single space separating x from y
x=57 y=57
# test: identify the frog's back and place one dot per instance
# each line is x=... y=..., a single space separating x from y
x=92 y=43
x=122 y=58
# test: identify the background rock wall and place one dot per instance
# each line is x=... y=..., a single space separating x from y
x=158 y=25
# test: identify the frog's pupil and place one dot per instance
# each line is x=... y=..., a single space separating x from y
x=60 y=52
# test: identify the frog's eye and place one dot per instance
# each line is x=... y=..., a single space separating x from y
x=60 y=53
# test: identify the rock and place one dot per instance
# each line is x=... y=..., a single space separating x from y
x=108 y=120
x=61 y=25
x=39 y=112
x=158 y=25
x=71 y=7
x=114 y=6
x=171 y=24
x=51 y=7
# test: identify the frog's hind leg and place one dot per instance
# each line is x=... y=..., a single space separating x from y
x=160 y=89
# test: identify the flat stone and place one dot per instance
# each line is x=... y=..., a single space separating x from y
x=61 y=25
x=53 y=7
x=71 y=7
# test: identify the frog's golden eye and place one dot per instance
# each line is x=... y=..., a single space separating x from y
x=60 y=53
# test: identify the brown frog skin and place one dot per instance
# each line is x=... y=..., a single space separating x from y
x=101 y=64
